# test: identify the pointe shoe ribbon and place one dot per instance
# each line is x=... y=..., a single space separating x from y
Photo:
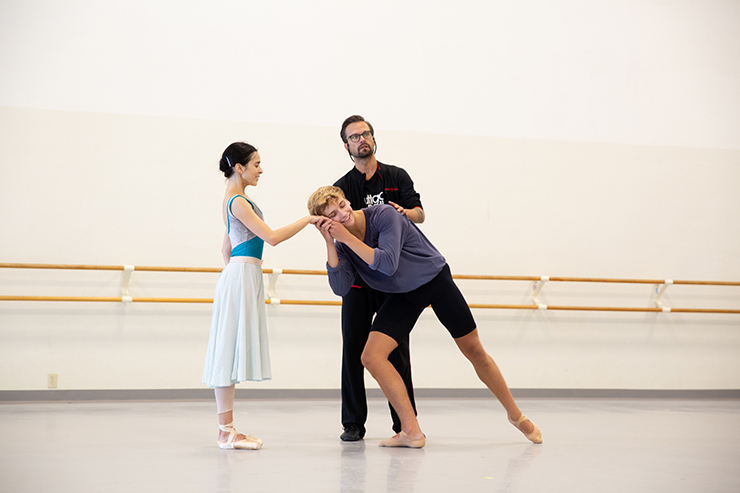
x=403 y=440
x=247 y=443
x=535 y=436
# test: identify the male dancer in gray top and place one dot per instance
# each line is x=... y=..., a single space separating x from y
x=392 y=255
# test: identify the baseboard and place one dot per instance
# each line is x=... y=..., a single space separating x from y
x=207 y=394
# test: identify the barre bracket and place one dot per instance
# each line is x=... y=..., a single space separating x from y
x=271 y=285
x=659 y=291
x=537 y=287
x=125 y=279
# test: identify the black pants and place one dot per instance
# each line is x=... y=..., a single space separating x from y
x=358 y=309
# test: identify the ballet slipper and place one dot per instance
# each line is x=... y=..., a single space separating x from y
x=535 y=436
x=247 y=443
x=403 y=440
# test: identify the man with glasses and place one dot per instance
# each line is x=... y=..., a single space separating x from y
x=369 y=182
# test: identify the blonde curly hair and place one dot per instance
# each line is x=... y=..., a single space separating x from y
x=322 y=198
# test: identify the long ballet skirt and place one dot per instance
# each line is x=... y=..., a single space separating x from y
x=237 y=347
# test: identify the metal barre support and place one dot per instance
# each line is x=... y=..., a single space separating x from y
x=659 y=294
x=537 y=289
x=271 y=285
x=125 y=278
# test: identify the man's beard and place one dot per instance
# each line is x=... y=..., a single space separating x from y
x=363 y=152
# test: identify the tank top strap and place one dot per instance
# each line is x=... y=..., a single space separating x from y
x=229 y=213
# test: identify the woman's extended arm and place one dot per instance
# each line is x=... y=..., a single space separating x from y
x=243 y=211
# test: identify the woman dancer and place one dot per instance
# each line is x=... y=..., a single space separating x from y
x=237 y=347
x=391 y=255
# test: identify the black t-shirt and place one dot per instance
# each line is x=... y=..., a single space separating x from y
x=388 y=184
x=372 y=191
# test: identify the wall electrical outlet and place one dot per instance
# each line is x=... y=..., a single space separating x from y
x=53 y=380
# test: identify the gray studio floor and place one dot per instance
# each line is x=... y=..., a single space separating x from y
x=591 y=445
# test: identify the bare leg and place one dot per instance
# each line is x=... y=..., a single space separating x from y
x=489 y=373
x=375 y=359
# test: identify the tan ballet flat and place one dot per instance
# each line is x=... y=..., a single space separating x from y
x=247 y=443
x=535 y=436
x=403 y=440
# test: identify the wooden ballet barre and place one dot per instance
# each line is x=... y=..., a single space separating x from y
x=107 y=267
x=63 y=298
x=115 y=299
x=120 y=299
x=323 y=273
x=481 y=277
x=641 y=281
x=145 y=268
x=535 y=304
x=339 y=303
x=304 y=302
x=591 y=279
x=601 y=308
x=6 y=265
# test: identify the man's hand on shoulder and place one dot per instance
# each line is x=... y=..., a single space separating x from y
x=416 y=215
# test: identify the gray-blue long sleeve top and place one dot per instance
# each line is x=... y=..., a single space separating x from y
x=404 y=258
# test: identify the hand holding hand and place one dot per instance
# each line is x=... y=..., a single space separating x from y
x=322 y=225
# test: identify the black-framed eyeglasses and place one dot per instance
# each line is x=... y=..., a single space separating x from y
x=367 y=135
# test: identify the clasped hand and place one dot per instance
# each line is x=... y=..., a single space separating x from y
x=332 y=230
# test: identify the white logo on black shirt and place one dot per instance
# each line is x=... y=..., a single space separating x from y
x=374 y=199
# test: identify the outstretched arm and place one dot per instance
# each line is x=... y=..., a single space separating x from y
x=244 y=212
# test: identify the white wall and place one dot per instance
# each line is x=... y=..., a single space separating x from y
x=570 y=138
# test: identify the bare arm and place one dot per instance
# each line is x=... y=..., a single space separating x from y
x=416 y=214
x=226 y=248
x=243 y=211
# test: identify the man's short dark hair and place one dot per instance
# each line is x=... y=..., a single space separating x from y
x=350 y=120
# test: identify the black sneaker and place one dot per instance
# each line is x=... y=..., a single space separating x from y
x=352 y=433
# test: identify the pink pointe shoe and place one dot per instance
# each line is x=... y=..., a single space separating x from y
x=535 y=436
x=403 y=440
x=247 y=443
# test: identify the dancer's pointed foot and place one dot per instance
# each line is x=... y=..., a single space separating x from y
x=403 y=440
x=230 y=439
x=535 y=436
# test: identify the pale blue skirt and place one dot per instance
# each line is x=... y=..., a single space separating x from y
x=237 y=347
